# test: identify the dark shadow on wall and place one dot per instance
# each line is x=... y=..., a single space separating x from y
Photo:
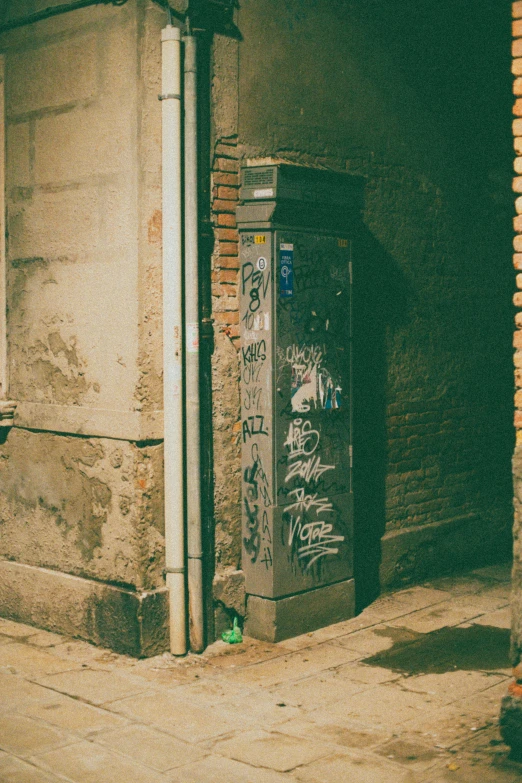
x=381 y=299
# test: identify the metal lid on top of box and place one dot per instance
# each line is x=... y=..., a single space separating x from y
x=285 y=182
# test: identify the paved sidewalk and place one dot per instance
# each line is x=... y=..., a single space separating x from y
x=407 y=692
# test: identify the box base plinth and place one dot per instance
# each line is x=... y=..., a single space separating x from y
x=273 y=620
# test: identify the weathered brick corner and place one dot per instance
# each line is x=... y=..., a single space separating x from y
x=225 y=266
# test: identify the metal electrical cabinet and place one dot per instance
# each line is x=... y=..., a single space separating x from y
x=295 y=229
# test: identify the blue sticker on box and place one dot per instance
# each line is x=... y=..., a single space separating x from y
x=286 y=269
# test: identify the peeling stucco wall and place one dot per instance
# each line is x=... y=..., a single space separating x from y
x=91 y=507
x=83 y=193
x=72 y=161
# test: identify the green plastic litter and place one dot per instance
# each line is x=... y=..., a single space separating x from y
x=234 y=636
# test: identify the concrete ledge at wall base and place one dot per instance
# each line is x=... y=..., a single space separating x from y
x=132 y=623
x=275 y=620
x=97 y=422
x=414 y=554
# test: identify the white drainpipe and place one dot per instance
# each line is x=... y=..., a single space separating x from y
x=172 y=337
x=194 y=543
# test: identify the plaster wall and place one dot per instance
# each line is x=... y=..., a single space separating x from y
x=82 y=470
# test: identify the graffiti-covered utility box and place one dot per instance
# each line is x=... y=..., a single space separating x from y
x=296 y=226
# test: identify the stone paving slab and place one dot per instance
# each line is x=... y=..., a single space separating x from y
x=456 y=723
x=456 y=773
x=451 y=686
x=376 y=639
x=264 y=709
x=326 y=706
x=417 y=756
x=226 y=656
x=313 y=691
x=30 y=661
x=500 y=572
x=419 y=597
x=16 y=692
x=274 y=750
x=85 y=762
x=369 y=675
x=73 y=715
x=350 y=735
x=216 y=769
x=46 y=639
x=13 y=629
x=188 y=722
x=499 y=619
x=375 y=706
x=150 y=747
x=219 y=691
x=353 y=768
x=5 y=639
x=462 y=584
x=390 y=605
x=293 y=666
x=436 y=617
x=24 y=736
x=94 y=686
x=17 y=771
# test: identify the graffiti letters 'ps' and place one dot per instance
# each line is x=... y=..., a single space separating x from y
x=256 y=282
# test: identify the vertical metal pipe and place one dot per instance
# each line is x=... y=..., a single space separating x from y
x=192 y=380
x=3 y=271
x=172 y=336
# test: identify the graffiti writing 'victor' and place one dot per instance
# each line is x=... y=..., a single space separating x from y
x=309 y=540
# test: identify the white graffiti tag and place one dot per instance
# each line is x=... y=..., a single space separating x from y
x=311 y=383
x=309 y=539
x=314 y=539
x=304 y=502
x=307 y=469
x=302 y=440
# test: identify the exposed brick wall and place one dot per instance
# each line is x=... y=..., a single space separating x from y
x=229 y=597
x=517 y=223
x=225 y=262
x=516 y=639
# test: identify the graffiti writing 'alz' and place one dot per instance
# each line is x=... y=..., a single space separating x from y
x=253 y=425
